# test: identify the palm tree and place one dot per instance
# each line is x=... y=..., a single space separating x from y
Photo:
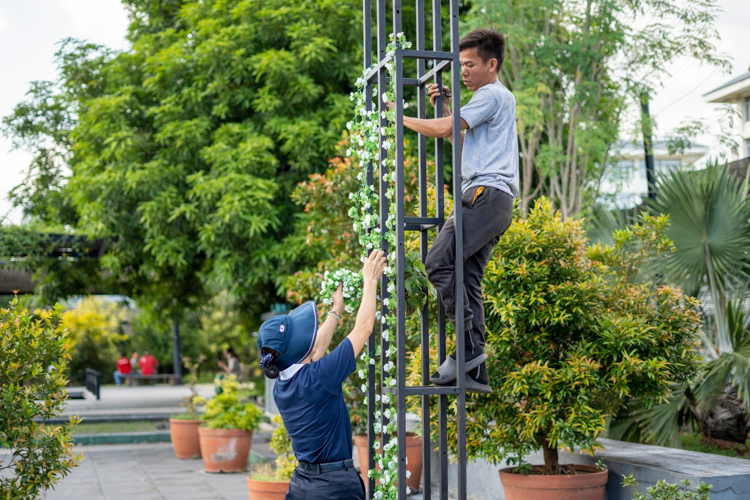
x=710 y=227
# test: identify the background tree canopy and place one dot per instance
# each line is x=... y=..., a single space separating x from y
x=183 y=150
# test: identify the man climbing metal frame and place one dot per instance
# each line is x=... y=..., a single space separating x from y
x=489 y=184
x=444 y=276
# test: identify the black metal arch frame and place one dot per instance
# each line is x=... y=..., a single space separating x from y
x=442 y=61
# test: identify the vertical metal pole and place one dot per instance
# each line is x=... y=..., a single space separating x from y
x=400 y=255
x=423 y=248
x=648 y=147
x=437 y=45
x=460 y=333
x=177 y=359
x=382 y=87
x=371 y=342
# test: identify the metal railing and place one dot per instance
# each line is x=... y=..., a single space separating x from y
x=93 y=382
x=442 y=61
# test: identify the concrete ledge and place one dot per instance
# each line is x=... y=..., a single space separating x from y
x=730 y=477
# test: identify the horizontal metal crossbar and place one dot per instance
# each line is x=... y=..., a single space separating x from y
x=428 y=54
x=420 y=223
x=419 y=390
x=445 y=58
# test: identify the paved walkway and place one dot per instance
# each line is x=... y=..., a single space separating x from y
x=144 y=472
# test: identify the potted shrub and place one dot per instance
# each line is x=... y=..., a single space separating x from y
x=35 y=355
x=269 y=484
x=571 y=334
x=183 y=428
x=227 y=430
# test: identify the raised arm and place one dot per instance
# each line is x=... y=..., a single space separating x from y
x=371 y=272
x=327 y=329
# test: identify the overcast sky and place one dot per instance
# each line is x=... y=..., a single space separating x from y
x=31 y=29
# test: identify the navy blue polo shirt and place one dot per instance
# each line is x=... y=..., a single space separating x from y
x=312 y=405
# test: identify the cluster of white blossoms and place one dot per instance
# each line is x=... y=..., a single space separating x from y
x=351 y=287
x=372 y=138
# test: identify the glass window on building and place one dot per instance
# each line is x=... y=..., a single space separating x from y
x=626 y=168
x=747 y=109
x=665 y=166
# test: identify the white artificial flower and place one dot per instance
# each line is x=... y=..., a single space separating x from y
x=389 y=66
x=351 y=96
x=386 y=301
x=364 y=388
x=391 y=287
x=376 y=445
x=391 y=464
x=377 y=398
x=372 y=361
x=393 y=177
x=382 y=131
x=355 y=227
x=348 y=153
x=382 y=480
x=384 y=162
x=393 y=382
x=382 y=115
x=386 y=336
x=385 y=97
x=386 y=399
x=408 y=474
x=361 y=373
x=386 y=145
x=348 y=125
x=349 y=308
x=382 y=320
x=378 y=495
x=387 y=413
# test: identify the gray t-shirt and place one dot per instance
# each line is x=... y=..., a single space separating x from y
x=490 y=151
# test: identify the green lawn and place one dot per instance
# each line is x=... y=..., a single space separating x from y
x=692 y=441
x=110 y=427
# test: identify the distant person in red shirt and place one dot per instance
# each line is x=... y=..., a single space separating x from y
x=148 y=364
x=123 y=367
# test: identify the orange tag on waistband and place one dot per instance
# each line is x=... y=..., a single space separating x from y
x=477 y=193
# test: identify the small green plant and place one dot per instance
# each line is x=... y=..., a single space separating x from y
x=226 y=411
x=669 y=491
x=193 y=401
x=281 y=444
x=35 y=353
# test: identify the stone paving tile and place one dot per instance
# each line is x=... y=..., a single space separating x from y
x=144 y=472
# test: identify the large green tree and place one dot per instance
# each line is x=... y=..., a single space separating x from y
x=574 y=66
x=182 y=151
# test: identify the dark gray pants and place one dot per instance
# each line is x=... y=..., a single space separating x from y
x=341 y=484
x=484 y=221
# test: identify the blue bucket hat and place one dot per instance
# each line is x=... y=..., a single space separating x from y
x=287 y=339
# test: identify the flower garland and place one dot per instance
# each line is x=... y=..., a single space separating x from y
x=351 y=287
x=366 y=137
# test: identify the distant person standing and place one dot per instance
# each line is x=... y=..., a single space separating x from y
x=123 y=368
x=134 y=366
x=231 y=367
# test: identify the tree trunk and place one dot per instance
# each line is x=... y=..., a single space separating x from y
x=727 y=420
x=551 y=464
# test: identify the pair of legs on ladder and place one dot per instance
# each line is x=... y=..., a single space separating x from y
x=487 y=214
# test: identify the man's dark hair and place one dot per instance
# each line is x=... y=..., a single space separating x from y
x=231 y=351
x=489 y=42
x=123 y=355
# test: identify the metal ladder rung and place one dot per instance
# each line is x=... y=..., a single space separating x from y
x=420 y=223
x=420 y=390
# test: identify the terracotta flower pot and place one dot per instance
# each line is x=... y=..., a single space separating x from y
x=224 y=450
x=586 y=486
x=413 y=455
x=185 y=439
x=267 y=490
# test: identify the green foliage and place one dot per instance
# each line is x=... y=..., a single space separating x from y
x=35 y=355
x=226 y=411
x=570 y=337
x=281 y=444
x=183 y=150
x=669 y=491
x=574 y=67
x=193 y=400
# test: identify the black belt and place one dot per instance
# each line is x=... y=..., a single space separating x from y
x=341 y=464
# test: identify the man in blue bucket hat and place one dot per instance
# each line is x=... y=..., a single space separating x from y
x=308 y=390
